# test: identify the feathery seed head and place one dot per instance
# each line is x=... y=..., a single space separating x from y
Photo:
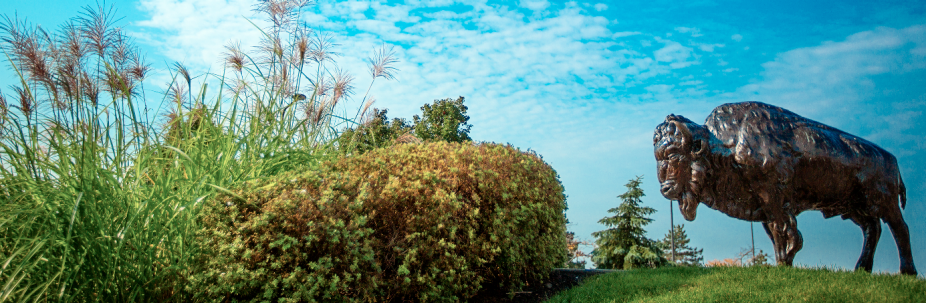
x=234 y=57
x=28 y=49
x=281 y=12
x=26 y=106
x=320 y=48
x=3 y=107
x=71 y=44
x=178 y=93
x=118 y=84
x=366 y=116
x=310 y=110
x=381 y=63
x=90 y=88
x=119 y=52
x=271 y=49
x=319 y=114
x=322 y=87
x=302 y=45
x=96 y=27
x=183 y=72
x=342 y=85
x=139 y=68
x=68 y=76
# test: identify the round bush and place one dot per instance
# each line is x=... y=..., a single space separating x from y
x=430 y=222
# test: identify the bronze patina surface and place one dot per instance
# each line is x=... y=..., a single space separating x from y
x=762 y=163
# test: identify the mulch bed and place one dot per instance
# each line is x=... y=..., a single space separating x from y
x=560 y=279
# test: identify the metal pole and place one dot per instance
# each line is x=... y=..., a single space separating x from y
x=672 y=229
x=752 y=235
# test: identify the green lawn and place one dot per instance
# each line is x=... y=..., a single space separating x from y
x=751 y=284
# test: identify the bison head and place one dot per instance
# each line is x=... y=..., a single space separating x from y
x=680 y=148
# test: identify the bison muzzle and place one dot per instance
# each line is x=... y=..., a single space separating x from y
x=762 y=163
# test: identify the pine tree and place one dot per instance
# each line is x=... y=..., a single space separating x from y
x=684 y=255
x=623 y=244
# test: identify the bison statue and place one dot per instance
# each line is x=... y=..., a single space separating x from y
x=762 y=163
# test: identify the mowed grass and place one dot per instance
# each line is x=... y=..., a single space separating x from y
x=745 y=284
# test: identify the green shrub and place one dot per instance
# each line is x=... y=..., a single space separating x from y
x=431 y=222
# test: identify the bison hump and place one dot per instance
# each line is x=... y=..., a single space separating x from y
x=760 y=134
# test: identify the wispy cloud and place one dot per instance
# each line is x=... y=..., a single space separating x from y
x=196 y=32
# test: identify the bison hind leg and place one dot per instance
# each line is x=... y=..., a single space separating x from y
x=894 y=220
x=871 y=230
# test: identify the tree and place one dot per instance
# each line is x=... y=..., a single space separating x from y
x=624 y=244
x=443 y=120
x=572 y=246
x=377 y=132
x=748 y=257
x=684 y=255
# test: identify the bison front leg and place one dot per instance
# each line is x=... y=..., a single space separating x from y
x=871 y=228
x=786 y=238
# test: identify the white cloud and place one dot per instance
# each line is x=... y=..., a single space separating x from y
x=535 y=5
x=674 y=53
x=737 y=37
x=695 y=32
x=691 y=83
x=195 y=32
x=601 y=7
x=624 y=34
x=709 y=47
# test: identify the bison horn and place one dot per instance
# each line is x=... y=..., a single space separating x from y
x=680 y=126
x=700 y=145
x=703 y=148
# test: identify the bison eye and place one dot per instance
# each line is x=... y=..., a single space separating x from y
x=696 y=145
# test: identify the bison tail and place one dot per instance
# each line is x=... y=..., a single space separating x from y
x=903 y=192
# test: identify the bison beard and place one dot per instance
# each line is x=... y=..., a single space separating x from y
x=759 y=162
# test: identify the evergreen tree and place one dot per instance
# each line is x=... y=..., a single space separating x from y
x=443 y=120
x=684 y=255
x=623 y=244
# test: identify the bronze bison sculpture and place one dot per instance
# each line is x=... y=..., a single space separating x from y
x=762 y=163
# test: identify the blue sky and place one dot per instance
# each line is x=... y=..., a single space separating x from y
x=585 y=83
